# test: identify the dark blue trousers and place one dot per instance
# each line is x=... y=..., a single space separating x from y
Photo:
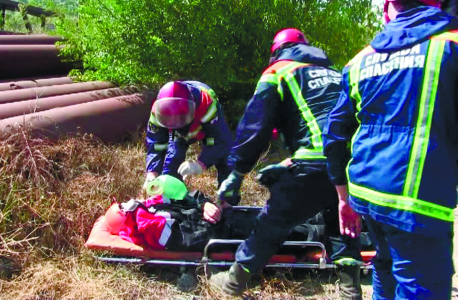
x=294 y=198
x=409 y=265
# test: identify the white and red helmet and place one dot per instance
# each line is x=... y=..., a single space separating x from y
x=174 y=107
x=435 y=3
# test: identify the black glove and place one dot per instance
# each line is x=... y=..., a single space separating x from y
x=271 y=174
x=230 y=187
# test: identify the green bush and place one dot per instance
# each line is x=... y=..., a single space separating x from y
x=224 y=43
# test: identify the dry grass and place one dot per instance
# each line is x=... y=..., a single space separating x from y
x=52 y=192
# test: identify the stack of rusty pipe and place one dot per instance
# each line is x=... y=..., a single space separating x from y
x=30 y=55
x=52 y=103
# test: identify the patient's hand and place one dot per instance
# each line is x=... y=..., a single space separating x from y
x=212 y=213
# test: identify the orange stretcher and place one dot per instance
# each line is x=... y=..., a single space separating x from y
x=305 y=254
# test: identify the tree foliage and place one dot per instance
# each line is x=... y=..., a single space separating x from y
x=224 y=43
x=15 y=21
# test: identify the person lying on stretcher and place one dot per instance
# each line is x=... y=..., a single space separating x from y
x=173 y=218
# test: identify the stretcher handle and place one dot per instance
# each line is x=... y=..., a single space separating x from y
x=322 y=260
x=247 y=208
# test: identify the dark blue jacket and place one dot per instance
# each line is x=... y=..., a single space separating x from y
x=167 y=149
x=399 y=110
x=294 y=95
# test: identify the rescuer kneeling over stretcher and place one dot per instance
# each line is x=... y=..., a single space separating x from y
x=186 y=112
x=294 y=95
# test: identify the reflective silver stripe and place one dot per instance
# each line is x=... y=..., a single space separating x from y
x=167 y=230
x=160 y=147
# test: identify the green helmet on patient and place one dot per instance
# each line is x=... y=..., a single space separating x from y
x=167 y=186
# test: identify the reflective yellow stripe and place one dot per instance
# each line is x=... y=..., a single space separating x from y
x=211 y=113
x=304 y=153
x=355 y=68
x=160 y=147
x=272 y=79
x=402 y=202
x=354 y=93
x=425 y=115
x=305 y=110
x=360 y=55
x=347 y=261
x=286 y=73
x=153 y=120
x=354 y=82
x=269 y=78
x=210 y=141
x=193 y=134
x=449 y=36
x=212 y=110
x=317 y=151
x=210 y=92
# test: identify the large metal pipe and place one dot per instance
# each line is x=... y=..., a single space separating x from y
x=29 y=39
x=10 y=110
x=18 y=61
x=3 y=32
x=32 y=78
x=48 y=91
x=110 y=119
x=24 y=84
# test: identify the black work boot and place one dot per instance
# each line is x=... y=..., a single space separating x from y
x=232 y=282
x=350 y=286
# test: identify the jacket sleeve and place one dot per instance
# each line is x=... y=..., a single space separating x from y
x=218 y=139
x=156 y=144
x=254 y=130
x=175 y=155
x=338 y=132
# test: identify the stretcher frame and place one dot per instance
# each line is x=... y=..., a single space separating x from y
x=317 y=259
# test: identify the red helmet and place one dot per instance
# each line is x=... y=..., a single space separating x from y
x=174 y=107
x=435 y=3
x=288 y=35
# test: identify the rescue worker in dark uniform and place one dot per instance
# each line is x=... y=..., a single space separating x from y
x=186 y=112
x=399 y=111
x=295 y=94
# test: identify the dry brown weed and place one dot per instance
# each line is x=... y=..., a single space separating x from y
x=52 y=191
